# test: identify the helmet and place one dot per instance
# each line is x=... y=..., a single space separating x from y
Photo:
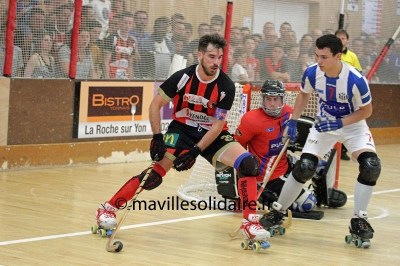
x=273 y=88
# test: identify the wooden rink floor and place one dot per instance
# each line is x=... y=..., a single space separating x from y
x=46 y=216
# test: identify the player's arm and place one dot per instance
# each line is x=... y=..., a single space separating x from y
x=300 y=104
x=154 y=113
x=363 y=113
x=211 y=135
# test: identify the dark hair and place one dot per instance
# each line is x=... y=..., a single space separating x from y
x=127 y=14
x=58 y=9
x=342 y=31
x=91 y=24
x=85 y=10
x=330 y=41
x=219 y=19
x=135 y=16
x=215 y=40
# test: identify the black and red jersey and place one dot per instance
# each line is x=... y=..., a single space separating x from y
x=121 y=51
x=197 y=102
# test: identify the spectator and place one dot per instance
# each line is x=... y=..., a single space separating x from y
x=293 y=62
x=121 y=52
x=60 y=33
x=235 y=41
x=274 y=67
x=102 y=10
x=252 y=65
x=217 y=19
x=285 y=26
x=159 y=57
x=31 y=39
x=272 y=39
x=87 y=15
x=95 y=29
x=178 y=37
x=84 y=67
x=306 y=59
x=202 y=30
x=268 y=30
x=306 y=43
x=244 y=31
x=176 y=18
x=358 y=48
x=41 y=64
x=117 y=7
x=17 y=60
x=394 y=61
x=144 y=39
x=239 y=73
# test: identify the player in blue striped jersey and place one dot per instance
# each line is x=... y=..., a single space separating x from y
x=344 y=104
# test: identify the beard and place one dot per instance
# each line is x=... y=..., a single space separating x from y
x=206 y=70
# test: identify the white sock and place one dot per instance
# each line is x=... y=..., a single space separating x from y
x=362 y=196
x=290 y=191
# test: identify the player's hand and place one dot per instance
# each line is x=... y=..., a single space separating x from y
x=186 y=160
x=157 y=147
x=324 y=123
x=290 y=131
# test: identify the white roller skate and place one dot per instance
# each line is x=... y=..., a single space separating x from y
x=272 y=221
x=360 y=231
x=105 y=218
x=255 y=235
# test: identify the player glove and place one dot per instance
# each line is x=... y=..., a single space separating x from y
x=186 y=160
x=290 y=131
x=324 y=123
x=157 y=147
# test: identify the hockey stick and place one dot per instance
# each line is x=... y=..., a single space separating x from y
x=117 y=245
x=273 y=168
x=232 y=234
x=380 y=57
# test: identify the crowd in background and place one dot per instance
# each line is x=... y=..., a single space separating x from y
x=114 y=43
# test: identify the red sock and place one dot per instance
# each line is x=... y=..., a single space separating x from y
x=248 y=195
x=128 y=190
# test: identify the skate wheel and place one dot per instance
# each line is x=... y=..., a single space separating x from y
x=366 y=244
x=282 y=230
x=120 y=246
x=272 y=232
x=102 y=232
x=94 y=229
x=358 y=243
x=256 y=246
x=348 y=239
x=245 y=245
x=265 y=245
x=109 y=233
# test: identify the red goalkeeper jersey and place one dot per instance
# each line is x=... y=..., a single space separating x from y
x=262 y=135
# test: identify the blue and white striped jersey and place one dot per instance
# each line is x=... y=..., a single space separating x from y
x=338 y=96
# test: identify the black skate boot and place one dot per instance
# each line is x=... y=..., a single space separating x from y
x=272 y=221
x=361 y=231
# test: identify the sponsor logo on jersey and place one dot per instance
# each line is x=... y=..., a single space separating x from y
x=313 y=141
x=343 y=96
x=270 y=129
x=221 y=114
x=238 y=133
x=222 y=95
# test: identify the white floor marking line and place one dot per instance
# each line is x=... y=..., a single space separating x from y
x=379 y=192
x=26 y=240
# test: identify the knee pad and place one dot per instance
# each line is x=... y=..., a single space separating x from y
x=249 y=165
x=337 y=198
x=305 y=168
x=305 y=202
x=370 y=168
x=153 y=180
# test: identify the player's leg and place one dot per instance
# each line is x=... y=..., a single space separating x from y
x=361 y=145
x=106 y=213
x=302 y=172
x=247 y=167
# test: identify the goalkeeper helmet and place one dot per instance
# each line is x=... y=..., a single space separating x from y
x=273 y=88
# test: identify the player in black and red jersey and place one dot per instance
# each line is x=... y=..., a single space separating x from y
x=202 y=95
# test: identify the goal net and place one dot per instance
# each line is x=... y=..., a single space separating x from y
x=201 y=185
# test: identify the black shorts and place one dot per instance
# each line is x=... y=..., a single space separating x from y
x=180 y=138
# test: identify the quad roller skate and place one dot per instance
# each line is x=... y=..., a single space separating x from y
x=273 y=220
x=360 y=231
x=255 y=235
x=106 y=222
